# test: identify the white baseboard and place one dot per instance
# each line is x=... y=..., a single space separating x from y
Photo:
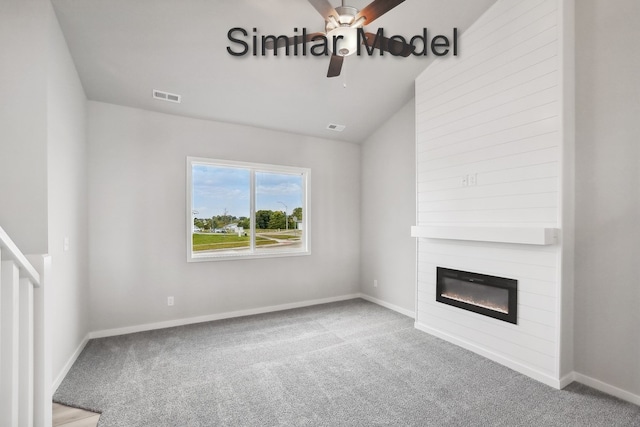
x=567 y=379
x=208 y=318
x=532 y=373
x=390 y=306
x=509 y=363
x=69 y=364
x=607 y=388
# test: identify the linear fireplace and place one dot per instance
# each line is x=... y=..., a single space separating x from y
x=491 y=296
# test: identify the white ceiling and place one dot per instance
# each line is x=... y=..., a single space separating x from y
x=124 y=49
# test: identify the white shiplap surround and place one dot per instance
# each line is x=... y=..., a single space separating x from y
x=490 y=154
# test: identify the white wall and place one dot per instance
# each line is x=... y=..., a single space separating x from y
x=388 y=210
x=496 y=113
x=137 y=219
x=67 y=198
x=42 y=161
x=607 y=294
x=23 y=153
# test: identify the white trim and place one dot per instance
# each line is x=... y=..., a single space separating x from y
x=509 y=363
x=247 y=255
x=210 y=317
x=607 y=388
x=567 y=379
x=566 y=194
x=13 y=253
x=67 y=366
x=43 y=308
x=390 y=306
x=305 y=174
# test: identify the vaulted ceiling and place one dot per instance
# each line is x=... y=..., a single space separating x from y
x=124 y=49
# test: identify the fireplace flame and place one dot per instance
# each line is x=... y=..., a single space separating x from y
x=483 y=303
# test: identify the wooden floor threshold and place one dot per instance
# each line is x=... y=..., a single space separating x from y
x=66 y=416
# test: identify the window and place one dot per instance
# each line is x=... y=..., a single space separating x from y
x=241 y=210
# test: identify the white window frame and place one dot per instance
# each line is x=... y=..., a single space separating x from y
x=253 y=168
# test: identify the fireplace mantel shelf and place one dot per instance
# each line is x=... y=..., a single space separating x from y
x=516 y=235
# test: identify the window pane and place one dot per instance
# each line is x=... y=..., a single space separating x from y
x=279 y=202
x=221 y=210
x=245 y=210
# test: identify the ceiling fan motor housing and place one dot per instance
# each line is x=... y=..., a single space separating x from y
x=345 y=36
x=346 y=14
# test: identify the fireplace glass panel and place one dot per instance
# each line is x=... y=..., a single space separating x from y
x=491 y=296
x=488 y=297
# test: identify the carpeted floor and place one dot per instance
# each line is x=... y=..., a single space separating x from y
x=351 y=363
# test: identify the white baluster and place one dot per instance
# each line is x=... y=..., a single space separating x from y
x=25 y=368
x=9 y=334
x=42 y=297
x=25 y=379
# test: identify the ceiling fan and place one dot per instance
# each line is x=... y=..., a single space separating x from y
x=344 y=22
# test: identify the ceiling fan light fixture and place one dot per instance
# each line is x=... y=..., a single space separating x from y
x=344 y=33
x=344 y=40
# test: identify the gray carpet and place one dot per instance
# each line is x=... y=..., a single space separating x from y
x=351 y=363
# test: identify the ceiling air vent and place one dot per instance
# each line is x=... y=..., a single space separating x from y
x=335 y=127
x=166 y=96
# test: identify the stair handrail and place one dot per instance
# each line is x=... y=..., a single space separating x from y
x=13 y=253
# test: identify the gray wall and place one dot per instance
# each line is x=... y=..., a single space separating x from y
x=607 y=285
x=137 y=162
x=388 y=252
x=67 y=198
x=23 y=120
x=43 y=194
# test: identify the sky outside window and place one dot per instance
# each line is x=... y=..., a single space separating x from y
x=274 y=191
x=217 y=189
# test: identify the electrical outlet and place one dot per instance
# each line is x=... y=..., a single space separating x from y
x=375 y=283
x=169 y=301
x=65 y=244
x=465 y=180
x=473 y=179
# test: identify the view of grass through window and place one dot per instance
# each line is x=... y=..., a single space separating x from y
x=228 y=220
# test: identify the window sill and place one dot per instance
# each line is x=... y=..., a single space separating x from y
x=228 y=257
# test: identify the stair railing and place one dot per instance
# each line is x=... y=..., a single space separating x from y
x=25 y=368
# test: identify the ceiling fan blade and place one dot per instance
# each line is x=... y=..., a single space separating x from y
x=376 y=9
x=325 y=8
x=291 y=40
x=335 y=65
x=394 y=47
